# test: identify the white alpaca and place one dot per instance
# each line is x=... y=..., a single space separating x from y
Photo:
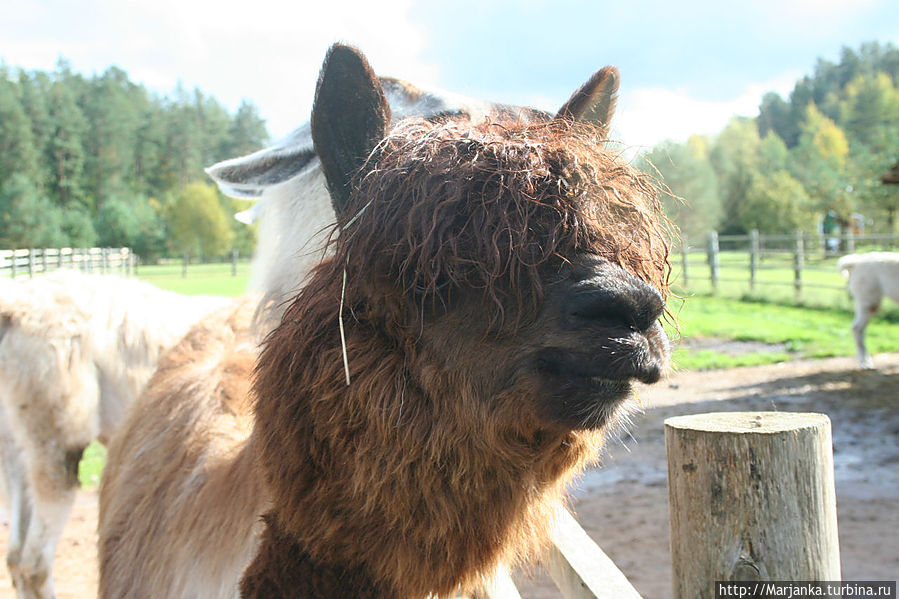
x=75 y=352
x=871 y=276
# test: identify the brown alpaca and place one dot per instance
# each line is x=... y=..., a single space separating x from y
x=495 y=288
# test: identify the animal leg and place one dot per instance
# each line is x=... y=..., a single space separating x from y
x=52 y=494
x=16 y=492
x=863 y=314
x=33 y=574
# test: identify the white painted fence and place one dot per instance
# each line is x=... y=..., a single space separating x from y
x=29 y=262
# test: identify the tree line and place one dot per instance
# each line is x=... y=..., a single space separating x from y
x=811 y=161
x=101 y=161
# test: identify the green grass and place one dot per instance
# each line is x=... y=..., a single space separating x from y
x=802 y=331
x=91 y=466
x=821 y=284
x=201 y=279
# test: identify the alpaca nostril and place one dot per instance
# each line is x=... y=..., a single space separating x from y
x=652 y=308
x=635 y=305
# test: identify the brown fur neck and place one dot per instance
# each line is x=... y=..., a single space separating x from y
x=397 y=474
x=284 y=569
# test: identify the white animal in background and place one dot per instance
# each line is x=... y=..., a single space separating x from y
x=871 y=277
x=75 y=352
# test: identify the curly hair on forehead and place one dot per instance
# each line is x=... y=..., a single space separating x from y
x=485 y=205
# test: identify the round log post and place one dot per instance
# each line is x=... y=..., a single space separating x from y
x=751 y=497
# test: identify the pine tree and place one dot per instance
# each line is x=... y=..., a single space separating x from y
x=65 y=151
x=17 y=154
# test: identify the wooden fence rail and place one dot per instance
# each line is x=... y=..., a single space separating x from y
x=21 y=262
x=750 y=262
x=579 y=568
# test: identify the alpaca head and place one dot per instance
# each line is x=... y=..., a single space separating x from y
x=514 y=257
x=499 y=284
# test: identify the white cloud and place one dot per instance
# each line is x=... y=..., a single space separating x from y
x=648 y=116
x=268 y=51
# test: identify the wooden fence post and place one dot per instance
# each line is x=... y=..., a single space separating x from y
x=751 y=497
x=234 y=255
x=753 y=257
x=798 y=263
x=713 y=260
x=850 y=241
x=12 y=264
x=30 y=263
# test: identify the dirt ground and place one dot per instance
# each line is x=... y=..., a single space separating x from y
x=624 y=505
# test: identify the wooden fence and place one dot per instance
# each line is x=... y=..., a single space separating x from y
x=751 y=498
x=578 y=567
x=800 y=265
x=29 y=262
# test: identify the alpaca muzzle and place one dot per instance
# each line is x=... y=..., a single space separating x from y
x=609 y=335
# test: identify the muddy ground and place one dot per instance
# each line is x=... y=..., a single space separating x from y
x=624 y=505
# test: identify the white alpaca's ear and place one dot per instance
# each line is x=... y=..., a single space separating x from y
x=248 y=177
x=594 y=102
x=350 y=116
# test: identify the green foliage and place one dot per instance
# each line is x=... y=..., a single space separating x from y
x=128 y=220
x=199 y=224
x=94 y=150
x=78 y=226
x=820 y=163
x=773 y=154
x=65 y=153
x=735 y=157
x=28 y=219
x=17 y=153
x=691 y=198
x=247 y=129
x=776 y=203
x=822 y=150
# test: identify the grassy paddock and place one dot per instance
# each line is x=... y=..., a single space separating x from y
x=201 y=279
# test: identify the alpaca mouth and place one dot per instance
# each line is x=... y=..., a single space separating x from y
x=583 y=389
x=582 y=401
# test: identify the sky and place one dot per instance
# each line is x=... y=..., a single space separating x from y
x=686 y=66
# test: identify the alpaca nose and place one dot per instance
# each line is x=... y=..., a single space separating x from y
x=614 y=298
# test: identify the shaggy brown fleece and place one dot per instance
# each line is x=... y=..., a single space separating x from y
x=435 y=463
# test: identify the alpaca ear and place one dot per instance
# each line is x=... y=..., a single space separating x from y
x=350 y=115
x=595 y=101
